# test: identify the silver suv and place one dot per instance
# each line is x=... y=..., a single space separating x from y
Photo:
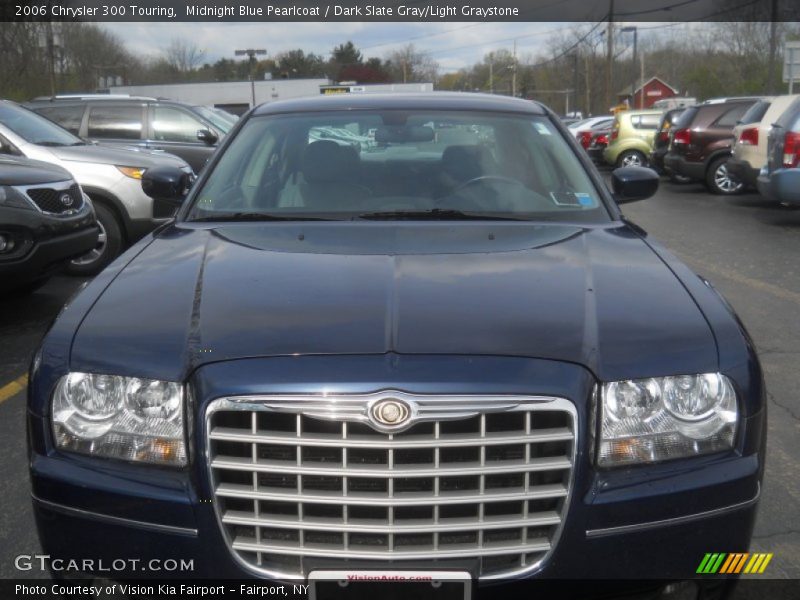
x=111 y=177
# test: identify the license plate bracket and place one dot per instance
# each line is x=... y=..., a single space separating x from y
x=343 y=584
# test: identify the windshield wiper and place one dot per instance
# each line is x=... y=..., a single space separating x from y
x=438 y=214
x=255 y=216
x=50 y=144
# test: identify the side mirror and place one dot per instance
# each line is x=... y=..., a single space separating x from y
x=207 y=136
x=633 y=183
x=166 y=183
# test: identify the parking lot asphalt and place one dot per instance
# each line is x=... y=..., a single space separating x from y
x=747 y=248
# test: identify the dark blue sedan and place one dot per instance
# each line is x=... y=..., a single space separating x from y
x=408 y=334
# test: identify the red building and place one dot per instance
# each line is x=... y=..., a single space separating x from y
x=644 y=95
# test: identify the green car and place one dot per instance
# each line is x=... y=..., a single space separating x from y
x=632 y=138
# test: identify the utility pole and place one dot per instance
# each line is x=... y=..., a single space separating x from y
x=51 y=58
x=609 y=53
x=251 y=53
x=491 y=74
x=575 y=75
x=641 y=78
x=635 y=70
x=773 y=45
x=514 y=73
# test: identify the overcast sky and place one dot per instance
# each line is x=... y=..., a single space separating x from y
x=452 y=45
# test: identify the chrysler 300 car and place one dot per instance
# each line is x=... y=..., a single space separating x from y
x=445 y=352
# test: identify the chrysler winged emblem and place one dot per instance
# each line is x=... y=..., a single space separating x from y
x=389 y=413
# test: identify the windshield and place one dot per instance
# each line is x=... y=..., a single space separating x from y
x=219 y=121
x=399 y=164
x=34 y=128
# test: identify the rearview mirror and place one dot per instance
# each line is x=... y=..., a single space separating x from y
x=403 y=134
x=207 y=136
x=166 y=183
x=633 y=183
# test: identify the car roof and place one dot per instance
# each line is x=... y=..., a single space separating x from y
x=644 y=111
x=457 y=101
x=69 y=97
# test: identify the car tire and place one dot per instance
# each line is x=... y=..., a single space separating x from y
x=109 y=245
x=719 y=181
x=631 y=158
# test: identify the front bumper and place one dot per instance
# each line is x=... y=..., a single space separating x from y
x=46 y=250
x=653 y=521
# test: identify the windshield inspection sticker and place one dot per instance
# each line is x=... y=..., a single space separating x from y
x=574 y=199
x=541 y=128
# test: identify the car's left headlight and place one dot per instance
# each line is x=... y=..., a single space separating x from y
x=127 y=418
x=662 y=418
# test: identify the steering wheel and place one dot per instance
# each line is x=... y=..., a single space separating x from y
x=487 y=178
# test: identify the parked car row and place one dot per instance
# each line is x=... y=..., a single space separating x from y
x=52 y=181
x=729 y=144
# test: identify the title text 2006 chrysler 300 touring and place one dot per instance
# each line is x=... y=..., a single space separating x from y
x=409 y=333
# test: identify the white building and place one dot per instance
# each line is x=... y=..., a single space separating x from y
x=234 y=96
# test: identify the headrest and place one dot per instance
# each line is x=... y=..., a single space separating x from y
x=326 y=161
x=467 y=162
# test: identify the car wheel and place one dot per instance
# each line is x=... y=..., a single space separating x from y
x=109 y=244
x=632 y=158
x=719 y=181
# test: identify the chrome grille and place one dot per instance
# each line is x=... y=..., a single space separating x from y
x=301 y=481
x=49 y=199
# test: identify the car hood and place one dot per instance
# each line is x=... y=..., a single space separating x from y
x=110 y=155
x=24 y=171
x=596 y=296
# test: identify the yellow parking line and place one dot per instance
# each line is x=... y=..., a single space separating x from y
x=13 y=388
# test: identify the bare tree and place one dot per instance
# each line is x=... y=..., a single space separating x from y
x=411 y=65
x=91 y=52
x=183 y=55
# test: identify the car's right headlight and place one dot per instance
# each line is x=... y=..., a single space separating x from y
x=662 y=418
x=127 y=418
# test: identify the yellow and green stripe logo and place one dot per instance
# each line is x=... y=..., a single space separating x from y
x=733 y=563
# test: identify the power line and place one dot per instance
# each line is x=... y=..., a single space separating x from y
x=498 y=41
x=652 y=10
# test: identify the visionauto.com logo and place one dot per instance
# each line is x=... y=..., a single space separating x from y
x=733 y=563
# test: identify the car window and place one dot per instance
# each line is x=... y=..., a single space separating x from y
x=755 y=113
x=118 y=122
x=216 y=117
x=670 y=119
x=343 y=164
x=685 y=118
x=69 y=117
x=790 y=118
x=34 y=128
x=732 y=116
x=175 y=125
x=647 y=121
